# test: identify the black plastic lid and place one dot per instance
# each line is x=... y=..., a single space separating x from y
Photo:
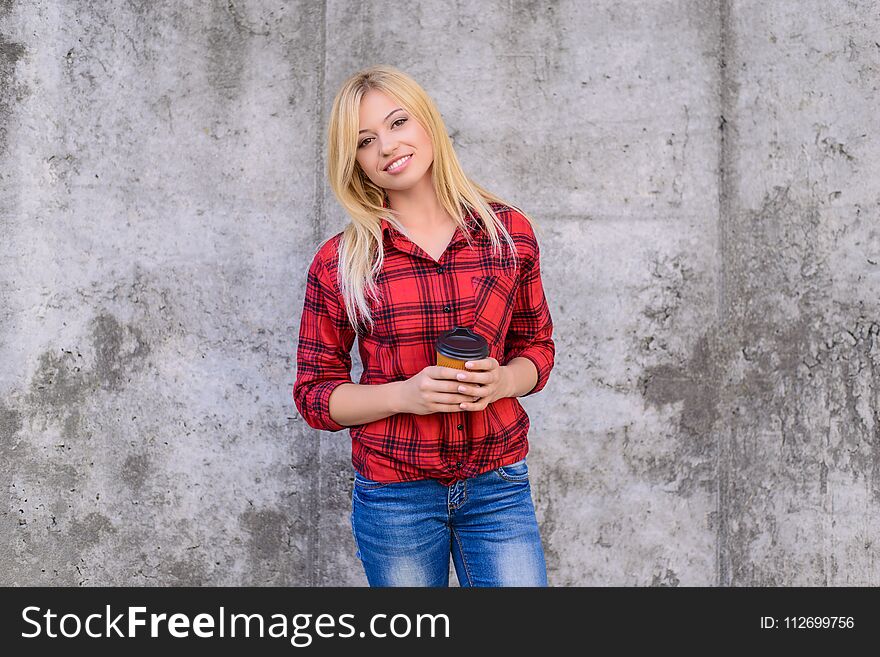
x=462 y=344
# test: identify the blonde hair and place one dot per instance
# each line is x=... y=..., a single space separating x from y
x=360 y=249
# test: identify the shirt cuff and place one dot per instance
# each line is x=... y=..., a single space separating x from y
x=542 y=365
x=319 y=405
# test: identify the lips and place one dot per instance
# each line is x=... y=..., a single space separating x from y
x=395 y=160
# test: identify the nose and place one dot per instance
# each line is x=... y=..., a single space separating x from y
x=387 y=146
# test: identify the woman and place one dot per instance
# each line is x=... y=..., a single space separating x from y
x=439 y=454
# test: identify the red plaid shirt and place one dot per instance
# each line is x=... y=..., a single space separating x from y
x=423 y=298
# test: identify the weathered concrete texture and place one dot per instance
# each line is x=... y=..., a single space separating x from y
x=152 y=203
x=705 y=180
x=620 y=142
x=798 y=419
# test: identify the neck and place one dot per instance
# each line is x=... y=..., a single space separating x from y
x=418 y=209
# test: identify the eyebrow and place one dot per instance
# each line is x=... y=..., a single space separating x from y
x=399 y=109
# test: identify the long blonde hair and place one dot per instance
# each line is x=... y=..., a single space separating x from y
x=360 y=249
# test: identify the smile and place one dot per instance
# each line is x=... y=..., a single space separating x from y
x=399 y=164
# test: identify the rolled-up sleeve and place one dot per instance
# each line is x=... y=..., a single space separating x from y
x=531 y=326
x=323 y=353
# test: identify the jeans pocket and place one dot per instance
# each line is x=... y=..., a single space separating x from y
x=518 y=471
x=361 y=482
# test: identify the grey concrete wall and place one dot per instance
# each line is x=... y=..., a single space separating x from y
x=705 y=178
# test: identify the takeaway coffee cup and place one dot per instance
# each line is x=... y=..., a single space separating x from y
x=458 y=346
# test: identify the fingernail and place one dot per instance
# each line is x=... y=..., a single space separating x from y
x=461 y=377
x=468 y=364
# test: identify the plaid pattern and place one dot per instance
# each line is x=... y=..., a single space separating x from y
x=420 y=299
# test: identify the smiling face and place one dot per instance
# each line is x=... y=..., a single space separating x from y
x=389 y=131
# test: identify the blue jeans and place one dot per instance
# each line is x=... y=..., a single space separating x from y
x=404 y=531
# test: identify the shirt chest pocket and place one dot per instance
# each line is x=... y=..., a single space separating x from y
x=493 y=307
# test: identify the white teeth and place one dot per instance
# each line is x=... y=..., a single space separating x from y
x=398 y=163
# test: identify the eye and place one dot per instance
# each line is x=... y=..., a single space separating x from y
x=393 y=123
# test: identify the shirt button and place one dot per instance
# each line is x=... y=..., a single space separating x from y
x=440 y=270
x=446 y=309
x=458 y=465
x=461 y=426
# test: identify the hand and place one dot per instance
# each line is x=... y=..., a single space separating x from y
x=486 y=380
x=433 y=390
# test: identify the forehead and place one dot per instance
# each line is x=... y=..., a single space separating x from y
x=375 y=105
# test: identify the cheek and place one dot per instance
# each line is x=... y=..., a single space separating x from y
x=428 y=149
x=421 y=139
x=368 y=166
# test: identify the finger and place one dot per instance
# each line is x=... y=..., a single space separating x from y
x=478 y=391
x=482 y=364
x=447 y=408
x=475 y=377
x=451 y=398
x=453 y=387
x=442 y=372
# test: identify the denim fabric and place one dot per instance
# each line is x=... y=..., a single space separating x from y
x=405 y=531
